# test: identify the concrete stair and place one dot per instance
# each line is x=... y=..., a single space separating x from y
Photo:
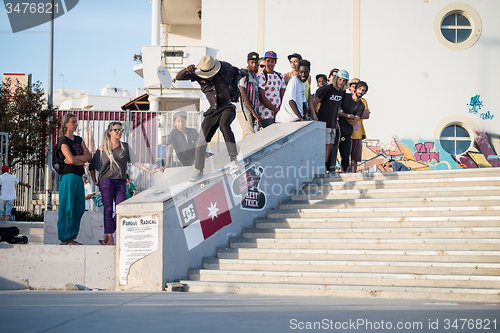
x=34 y=230
x=415 y=235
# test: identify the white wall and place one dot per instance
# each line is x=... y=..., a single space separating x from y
x=399 y=47
x=414 y=80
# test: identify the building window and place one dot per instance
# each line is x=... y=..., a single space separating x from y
x=457 y=26
x=455 y=139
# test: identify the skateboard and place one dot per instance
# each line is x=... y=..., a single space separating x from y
x=225 y=170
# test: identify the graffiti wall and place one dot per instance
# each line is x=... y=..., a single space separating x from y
x=462 y=148
x=430 y=155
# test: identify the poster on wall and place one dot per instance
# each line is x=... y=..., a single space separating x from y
x=204 y=215
x=246 y=185
x=138 y=238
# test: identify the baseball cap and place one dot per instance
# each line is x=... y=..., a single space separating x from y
x=271 y=54
x=335 y=70
x=294 y=55
x=253 y=56
x=343 y=74
x=180 y=113
x=5 y=168
x=354 y=81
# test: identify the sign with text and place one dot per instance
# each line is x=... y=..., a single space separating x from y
x=138 y=238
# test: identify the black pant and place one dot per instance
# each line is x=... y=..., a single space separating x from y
x=332 y=161
x=345 y=152
x=8 y=234
x=214 y=119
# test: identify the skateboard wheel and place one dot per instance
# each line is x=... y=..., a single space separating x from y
x=202 y=185
x=234 y=175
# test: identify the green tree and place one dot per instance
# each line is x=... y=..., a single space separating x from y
x=25 y=116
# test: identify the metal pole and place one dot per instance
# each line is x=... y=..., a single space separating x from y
x=48 y=169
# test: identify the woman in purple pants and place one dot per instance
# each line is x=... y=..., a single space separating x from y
x=110 y=161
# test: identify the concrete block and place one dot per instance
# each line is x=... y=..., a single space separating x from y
x=56 y=266
x=91 y=228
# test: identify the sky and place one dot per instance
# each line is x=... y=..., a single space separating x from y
x=94 y=45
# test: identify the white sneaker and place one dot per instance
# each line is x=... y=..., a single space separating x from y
x=196 y=175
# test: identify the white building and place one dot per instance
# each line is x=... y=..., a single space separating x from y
x=431 y=65
x=78 y=99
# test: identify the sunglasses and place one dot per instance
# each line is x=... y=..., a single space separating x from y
x=118 y=130
x=262 y=66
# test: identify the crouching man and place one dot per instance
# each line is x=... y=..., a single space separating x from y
x=214 y=78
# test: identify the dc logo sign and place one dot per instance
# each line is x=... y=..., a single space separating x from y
x=26 y=14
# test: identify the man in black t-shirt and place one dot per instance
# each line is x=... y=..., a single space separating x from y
x=327 y=103
x=351 y=113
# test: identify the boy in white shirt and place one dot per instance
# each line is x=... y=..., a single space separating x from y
x=292 y=108
x=8 y=192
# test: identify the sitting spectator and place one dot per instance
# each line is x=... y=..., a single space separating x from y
x=10 y=235
x=395 y=166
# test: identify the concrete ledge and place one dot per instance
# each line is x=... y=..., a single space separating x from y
x=54 y=266
x=91 y=228
x=273 y=162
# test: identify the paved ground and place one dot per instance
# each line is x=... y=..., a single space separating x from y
x=115 y=311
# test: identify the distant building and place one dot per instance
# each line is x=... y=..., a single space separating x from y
x=431 y=66
x=110 y=99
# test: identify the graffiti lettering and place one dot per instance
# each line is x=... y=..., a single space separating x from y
x=486 y=116
x=423 y=152
x=475 y=104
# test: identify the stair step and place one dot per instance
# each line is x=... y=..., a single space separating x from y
x=406 y=183
x=356 y=254
x=22 y=224
x=387 y=212
x=316 y=193
x=390 y=202
x=375 y=222
x=350 y=278
x=436 y=244
x=354 y=266
x=476 y=232
x=424 y=174
x=384 y=292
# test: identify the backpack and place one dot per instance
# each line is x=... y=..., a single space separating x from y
x=57 y=163
x=234 y=89
x=265 y=74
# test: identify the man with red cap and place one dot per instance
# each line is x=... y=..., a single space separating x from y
x=8 y=192
x=271 y=90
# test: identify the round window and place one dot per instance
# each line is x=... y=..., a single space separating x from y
x=455 y=139
x=457 y=26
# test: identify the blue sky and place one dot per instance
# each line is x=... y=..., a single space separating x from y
x=92 y=42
